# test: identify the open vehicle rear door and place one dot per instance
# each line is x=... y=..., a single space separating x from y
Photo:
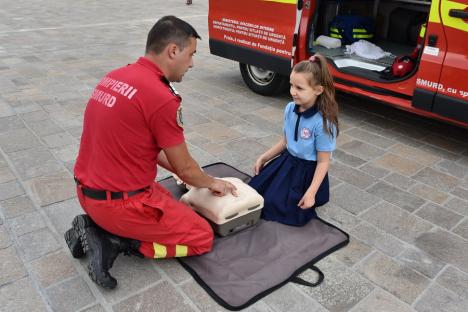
x=255 y=32
x=451 y=99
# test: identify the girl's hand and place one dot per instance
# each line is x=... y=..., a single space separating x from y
x=258 y=165
x=307 y=201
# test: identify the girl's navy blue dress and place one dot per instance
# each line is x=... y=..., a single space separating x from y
x=285 y=179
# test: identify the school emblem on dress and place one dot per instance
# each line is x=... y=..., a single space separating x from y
x=305 y=133
x=180 y=122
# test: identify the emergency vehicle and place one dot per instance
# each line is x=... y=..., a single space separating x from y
x=424 y=72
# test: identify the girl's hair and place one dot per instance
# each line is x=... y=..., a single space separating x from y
x=317 y=70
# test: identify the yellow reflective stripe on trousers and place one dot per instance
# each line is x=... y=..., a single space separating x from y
x=160 y=251
x=181 y=251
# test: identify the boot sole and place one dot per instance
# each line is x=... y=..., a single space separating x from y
x=74 y=243
x=79 y=224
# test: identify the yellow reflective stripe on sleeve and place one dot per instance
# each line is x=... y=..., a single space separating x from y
x=181 y=251
x=454 y=22
x=334 y=29
x=160 y=251
x=335 y=36
x=283 y=1
x=359 y=30
x=363 y=36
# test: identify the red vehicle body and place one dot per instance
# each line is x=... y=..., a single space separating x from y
x=267 y=37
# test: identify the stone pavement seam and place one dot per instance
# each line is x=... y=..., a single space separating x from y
x=378 y=202
x=369 y=295
x=167 y=278
x=132 y=294
x=457 y=224
x=436 y=226
x=42 y=291
x=377 y=248
x=372 y=185
x=14 y=238
x=301 y=291
x=377 y=286
x=364 y=259
x=432 y=281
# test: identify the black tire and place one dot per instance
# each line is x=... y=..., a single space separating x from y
x=261 y=81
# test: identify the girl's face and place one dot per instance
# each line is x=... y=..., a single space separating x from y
x=302 y=92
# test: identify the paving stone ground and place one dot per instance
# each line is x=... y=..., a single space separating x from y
x=399 y=182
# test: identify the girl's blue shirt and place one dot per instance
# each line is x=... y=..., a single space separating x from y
x=306 y=136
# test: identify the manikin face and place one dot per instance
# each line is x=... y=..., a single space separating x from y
x=182 y=60
x=302 y=92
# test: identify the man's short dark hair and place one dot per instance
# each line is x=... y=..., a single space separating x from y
x=169 y=29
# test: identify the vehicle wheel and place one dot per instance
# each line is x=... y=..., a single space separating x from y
x=261 y=81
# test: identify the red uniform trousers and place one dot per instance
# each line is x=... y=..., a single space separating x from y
x=164 y=226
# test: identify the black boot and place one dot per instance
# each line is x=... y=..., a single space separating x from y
x=102 y=255
x=123 y=245
x=104 y=248
x=74 y=234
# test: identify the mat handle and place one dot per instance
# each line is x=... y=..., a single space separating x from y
x=319 y=281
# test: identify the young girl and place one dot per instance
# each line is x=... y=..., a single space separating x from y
x=296 y=182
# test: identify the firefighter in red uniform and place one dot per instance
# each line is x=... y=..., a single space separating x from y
x=133 y=123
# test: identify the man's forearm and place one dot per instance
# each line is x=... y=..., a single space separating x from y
x=193 y=175
x=164 y=162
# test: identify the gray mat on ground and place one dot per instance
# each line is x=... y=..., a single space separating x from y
x=249 y=265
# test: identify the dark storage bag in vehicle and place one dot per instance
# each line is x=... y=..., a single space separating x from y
x=404 y=25
x=250 y=264
x=351 y=28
